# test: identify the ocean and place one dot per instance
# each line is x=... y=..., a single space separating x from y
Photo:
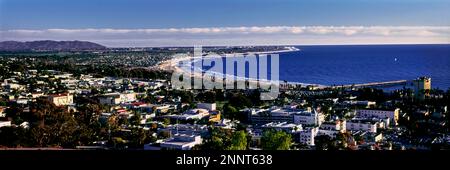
x=354 y=64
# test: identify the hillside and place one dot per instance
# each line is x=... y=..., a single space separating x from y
x=48 y=45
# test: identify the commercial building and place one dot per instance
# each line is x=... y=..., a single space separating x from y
x=333 y=128
x=307 y=135
x=391 y=114
x=181 y=142
x=188 y=129
x=309 y=118
x=284 y=126
x=191 y=114
x=361 y=125
x=337 y=125
x=288 y=115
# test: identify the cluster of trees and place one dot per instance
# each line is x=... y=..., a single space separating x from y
x=52 y=126
x=325 y=142
x=226 y=139
x=210 y=96
x=48 y=126
x=186 y=96
x=276 y=140
x=238 y=101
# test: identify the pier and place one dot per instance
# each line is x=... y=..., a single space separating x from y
x=373 y=84
x=291 y=86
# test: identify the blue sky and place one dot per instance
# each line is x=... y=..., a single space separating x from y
x=41 y=15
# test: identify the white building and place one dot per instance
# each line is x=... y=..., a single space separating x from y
x=284 y=126
x=207 y=106
x=360 y=125
x=282 y=115
x=365 y=103
x=61 y=99
x=187 y=129
x=63 y=76
x=127 y=97
x=192 y=114
x=391 y=114
x=309 y=118
x=307 y=135
x=25 y=125
x=331 y=133
x=181 y=142
x=5 y=123
x=331 y=129
x=226 y=124
x=70 y=83
x=262 y=116
x=289 y=115
x=22 y=101
x=117 y=98
x=338 y=125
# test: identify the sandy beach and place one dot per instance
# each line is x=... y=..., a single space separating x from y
x=173 y=65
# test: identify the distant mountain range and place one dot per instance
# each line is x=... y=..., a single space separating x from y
x=48 y=45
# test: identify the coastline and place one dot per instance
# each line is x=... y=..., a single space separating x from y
x=173 y=65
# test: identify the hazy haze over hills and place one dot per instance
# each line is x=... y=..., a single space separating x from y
x=49 y=45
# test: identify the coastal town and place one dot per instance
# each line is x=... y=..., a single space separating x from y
x=110 y=99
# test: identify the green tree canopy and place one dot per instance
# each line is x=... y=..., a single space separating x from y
x=276 y=140
x=238 y=141
x=240 y=101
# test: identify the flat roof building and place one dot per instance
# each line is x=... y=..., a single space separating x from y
x=181 y=142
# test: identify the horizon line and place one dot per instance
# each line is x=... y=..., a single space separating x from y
x=255 y=45
x=240 y=36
